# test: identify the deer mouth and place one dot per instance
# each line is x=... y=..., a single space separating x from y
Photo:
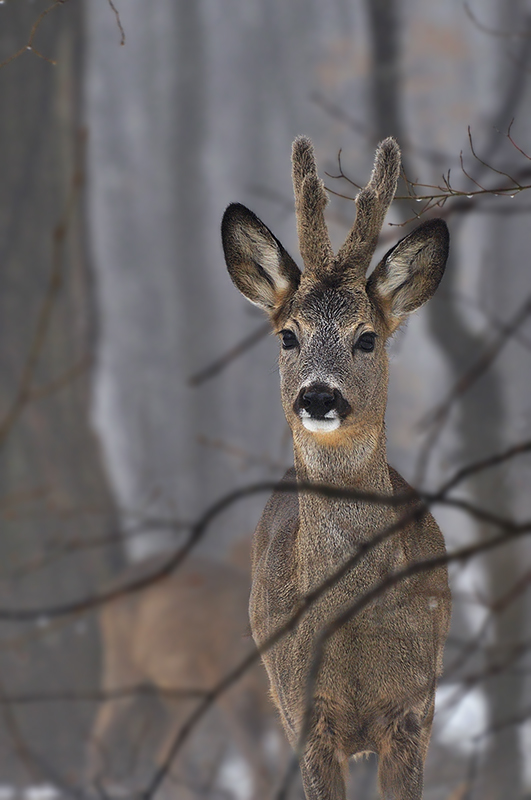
x=321 y=408
x=330 y=422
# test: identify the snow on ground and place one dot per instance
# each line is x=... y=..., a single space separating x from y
x=41 y=791
x=460 y=716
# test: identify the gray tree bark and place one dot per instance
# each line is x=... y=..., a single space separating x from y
x=53 y=491
x=482 y=424
x=170 y=146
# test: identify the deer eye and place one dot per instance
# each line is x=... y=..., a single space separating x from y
x=366 y=342
x=289 y=340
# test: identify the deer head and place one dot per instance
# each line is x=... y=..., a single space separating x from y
x=333 y=321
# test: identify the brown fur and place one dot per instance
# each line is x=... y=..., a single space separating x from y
x=376 y=684
x=187 y=631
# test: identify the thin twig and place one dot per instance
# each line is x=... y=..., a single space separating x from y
x=198 y=530
x=24 y=392
x=118 y=22
x=417 y=568
x=29 y=44
x=215 y=367
x=495 y=608
x=484 y=362
x=493 y=31
x=487 y=463
x=19 y=743
x=102 y=697
x=489 y=166
x=509 y=533
x=438 y=194
x=517 y=147
x=243 y=455
x=69 y=375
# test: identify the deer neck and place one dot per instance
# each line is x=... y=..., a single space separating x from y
x=330 y=529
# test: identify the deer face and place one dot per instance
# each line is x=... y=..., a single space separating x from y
x=333 y=364
x=332 y=322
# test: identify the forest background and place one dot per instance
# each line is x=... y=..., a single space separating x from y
x=138 y=387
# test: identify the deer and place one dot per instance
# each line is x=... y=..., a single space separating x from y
x=375 y=687
x=185 y=632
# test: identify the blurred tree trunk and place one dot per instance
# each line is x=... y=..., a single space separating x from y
x=386 y=98
x=481 y=411
x=480 y=432
x=52 y=486
x=181 y=147
x=506 y=240
x=482 y=423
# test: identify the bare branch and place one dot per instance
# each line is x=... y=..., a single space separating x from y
x=338 y=112
x=487 y=463
x=19 y=743
x=489 y=166
x=509 y=533
x=509 y=136
x=69 y=375
x=220 y=363
x=29 y=44
x=244 y=456
x=24 y=391
x=493 y=31
x=118 y=22
x=102 y=697
x=198 y=530
x=438 y=415
x=436 y=195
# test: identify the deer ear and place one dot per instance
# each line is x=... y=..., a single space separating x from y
x=409 y=273
x=258 y=264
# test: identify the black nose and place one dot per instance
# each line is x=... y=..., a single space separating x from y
x=318 y=400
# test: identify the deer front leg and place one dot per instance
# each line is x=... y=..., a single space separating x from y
x=101 y=747
x=323 y=772
x=401 y=762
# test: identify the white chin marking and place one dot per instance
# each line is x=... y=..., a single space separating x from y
x=321 y=425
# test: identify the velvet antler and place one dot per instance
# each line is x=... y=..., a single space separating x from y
x=372 y=204
x=310 y=201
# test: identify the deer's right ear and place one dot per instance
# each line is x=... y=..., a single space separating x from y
x=258 y=264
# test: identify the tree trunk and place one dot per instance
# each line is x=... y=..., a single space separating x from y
x=53 y=491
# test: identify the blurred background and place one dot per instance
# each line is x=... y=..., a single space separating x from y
x=138 y=387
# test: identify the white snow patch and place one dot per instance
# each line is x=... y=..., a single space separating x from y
x=525 y=748
x=272 y=746
x=42 y=791
x=236 y=778
x=39 y=791
x=460 y=716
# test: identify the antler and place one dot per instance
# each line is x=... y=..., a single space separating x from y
x=372 y=204
x=310 y=201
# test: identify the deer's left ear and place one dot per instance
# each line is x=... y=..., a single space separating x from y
x=409 y=273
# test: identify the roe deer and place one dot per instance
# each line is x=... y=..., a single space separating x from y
x=185 y=632
x=375 y=687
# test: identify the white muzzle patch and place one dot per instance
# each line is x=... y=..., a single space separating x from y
x=331 y=422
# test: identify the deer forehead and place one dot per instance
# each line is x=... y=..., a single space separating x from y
x=332 y=309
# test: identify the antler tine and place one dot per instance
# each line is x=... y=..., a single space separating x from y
x=310 y=201
x=372 y=204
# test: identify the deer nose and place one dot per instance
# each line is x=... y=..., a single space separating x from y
x=318 y=400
